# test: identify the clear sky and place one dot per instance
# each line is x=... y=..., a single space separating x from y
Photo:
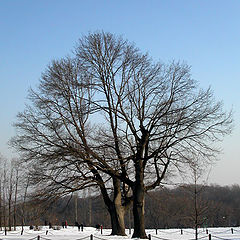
x=203 y=33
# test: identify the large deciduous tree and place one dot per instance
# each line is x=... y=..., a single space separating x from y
x=109 y=113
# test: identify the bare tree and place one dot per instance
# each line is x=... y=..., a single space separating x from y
x=195 y=189
x=111 y=116
x=9 y=191
x=9 y=197
x=6 y=192
x=4 y=186
x=25 y=186
x=15 y=196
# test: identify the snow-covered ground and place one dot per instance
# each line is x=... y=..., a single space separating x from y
x=72 y=233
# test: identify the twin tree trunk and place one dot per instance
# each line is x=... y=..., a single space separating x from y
x=117 y=213
x=117 y=210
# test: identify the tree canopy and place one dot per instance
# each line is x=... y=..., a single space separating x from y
x=111 y=112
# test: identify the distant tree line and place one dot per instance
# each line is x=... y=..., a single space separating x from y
x=218 y=206
x=165 y=208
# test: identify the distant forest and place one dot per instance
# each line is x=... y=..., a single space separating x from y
x=165 y=208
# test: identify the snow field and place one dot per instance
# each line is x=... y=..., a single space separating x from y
x=72 y=233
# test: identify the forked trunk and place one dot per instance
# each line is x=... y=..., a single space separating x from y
x=138 y=212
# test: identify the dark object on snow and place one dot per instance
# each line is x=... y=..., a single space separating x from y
x=98 y=226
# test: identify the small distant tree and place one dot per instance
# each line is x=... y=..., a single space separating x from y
x=24 y=198
x=195 y=190
x=15 y=201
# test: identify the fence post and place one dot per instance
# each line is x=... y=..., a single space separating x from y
x=149 y=236
x=38 y=237
x=156 y=231
x=91 y=237
x=206 y=231
x=232 y=230
x=46 y=232
x=209 y=237
x=181 y=231
x=5 y=231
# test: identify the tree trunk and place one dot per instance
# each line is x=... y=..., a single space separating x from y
x=117 y=220
x=115 y=208
x=15 y=202
x=138 y=212
x=10 y=204
x=117 y=211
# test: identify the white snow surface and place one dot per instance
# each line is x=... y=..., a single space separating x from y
x=72 y=233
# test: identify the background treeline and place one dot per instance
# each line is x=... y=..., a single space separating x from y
x=177 y=207
x=216 y=206
x=165 y=208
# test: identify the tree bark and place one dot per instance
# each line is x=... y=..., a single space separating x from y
x=117 y=220
x=138 y=212
x=117 y=210
x=115 y=207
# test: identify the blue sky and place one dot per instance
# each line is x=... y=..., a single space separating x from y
x=203 y=33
